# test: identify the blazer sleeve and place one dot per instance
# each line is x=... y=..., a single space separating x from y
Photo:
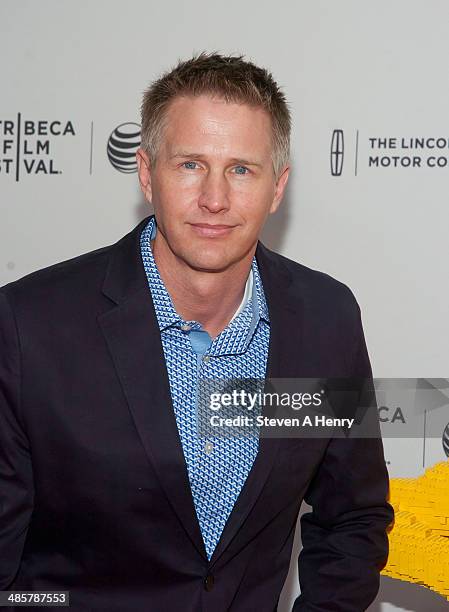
x=344 y=538
x=16 y=479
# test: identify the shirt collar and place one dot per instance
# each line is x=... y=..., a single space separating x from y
x=165 y=311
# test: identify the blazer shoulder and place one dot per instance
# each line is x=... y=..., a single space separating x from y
x=75 y=276
x=317 y=286
x=74 y=271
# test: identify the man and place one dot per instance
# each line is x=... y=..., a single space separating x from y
x=106 y=489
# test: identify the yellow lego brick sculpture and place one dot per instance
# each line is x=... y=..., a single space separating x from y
x=419 y=538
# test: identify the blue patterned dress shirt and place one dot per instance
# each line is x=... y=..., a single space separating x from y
x=217 y=466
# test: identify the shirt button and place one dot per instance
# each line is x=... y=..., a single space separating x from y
x=208 y=447
x=206 y=359
x=209 y=582
x=186 y=327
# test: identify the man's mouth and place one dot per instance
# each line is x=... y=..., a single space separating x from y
x=211 y=230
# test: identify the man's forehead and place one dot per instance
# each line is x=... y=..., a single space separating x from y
x=215 y=112
x=195 y=120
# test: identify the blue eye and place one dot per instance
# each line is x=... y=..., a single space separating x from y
x=190 y=165
x=240 y=168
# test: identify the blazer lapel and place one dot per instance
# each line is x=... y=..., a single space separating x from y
x=285 y=357
x=132 y=334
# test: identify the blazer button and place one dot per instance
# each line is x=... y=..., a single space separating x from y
x=209 y=582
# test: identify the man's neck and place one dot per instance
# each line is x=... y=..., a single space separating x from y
x=211 y=298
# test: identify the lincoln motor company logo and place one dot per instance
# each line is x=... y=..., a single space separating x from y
x=402 y=153
x=337 y=152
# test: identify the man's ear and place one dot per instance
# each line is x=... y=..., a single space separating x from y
x=280 y=188
x=144 y=171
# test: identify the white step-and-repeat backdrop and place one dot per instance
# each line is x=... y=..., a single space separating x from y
x=368 y=196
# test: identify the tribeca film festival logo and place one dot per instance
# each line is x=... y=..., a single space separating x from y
x=402 y=153
x=122 y=147
x=26 y=145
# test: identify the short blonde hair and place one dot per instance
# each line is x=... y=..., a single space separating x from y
x=229 y=77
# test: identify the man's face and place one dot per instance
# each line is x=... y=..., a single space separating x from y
x=213 y=184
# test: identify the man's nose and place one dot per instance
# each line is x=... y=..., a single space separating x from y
x=214 y=192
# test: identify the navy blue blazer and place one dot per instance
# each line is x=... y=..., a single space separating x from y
x=94 y=492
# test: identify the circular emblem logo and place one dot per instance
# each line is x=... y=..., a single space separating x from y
x=446 y=440
x=122 y=146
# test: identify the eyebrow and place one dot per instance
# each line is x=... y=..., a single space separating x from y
x=234 y=160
